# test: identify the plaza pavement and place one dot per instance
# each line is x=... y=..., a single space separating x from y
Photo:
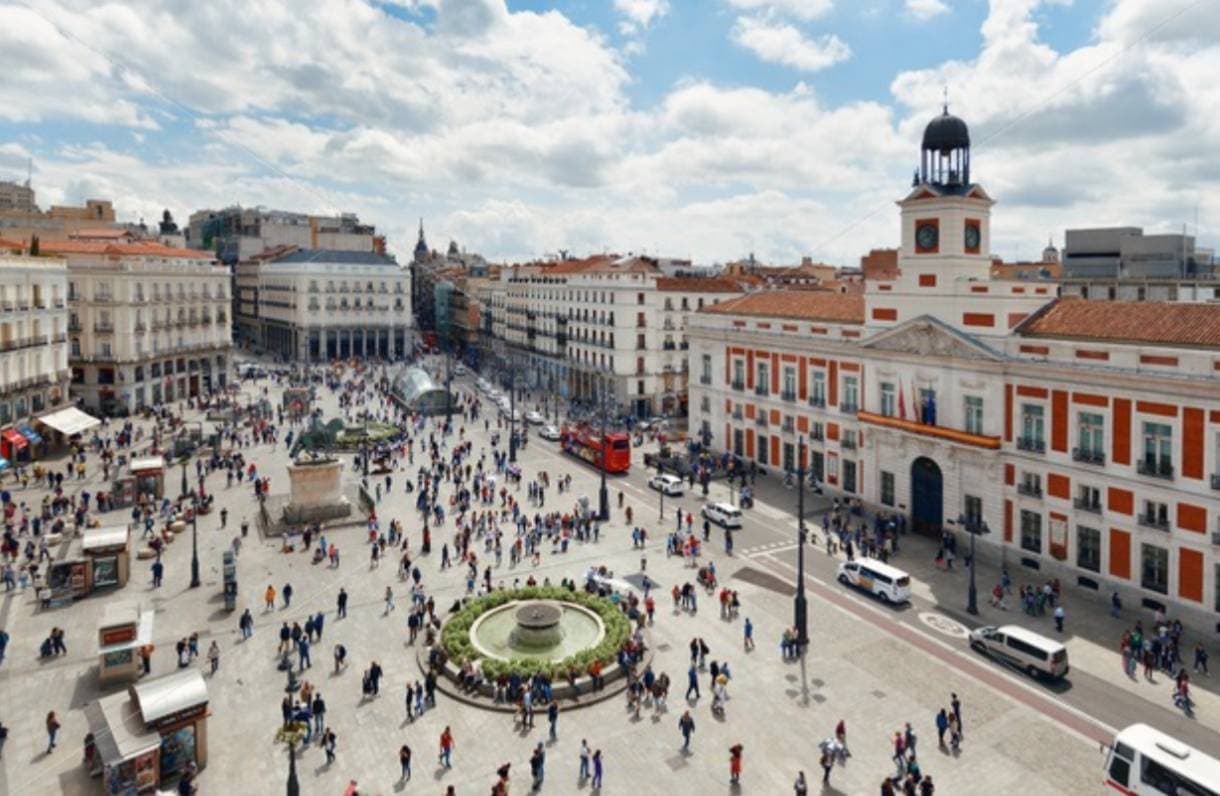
x=856 y=671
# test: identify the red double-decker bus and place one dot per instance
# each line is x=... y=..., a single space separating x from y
x=587 y=444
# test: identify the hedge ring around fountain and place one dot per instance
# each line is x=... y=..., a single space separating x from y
x=549 y=630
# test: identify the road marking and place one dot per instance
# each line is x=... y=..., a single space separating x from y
x=943 y=624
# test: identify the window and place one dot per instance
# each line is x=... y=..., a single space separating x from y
x=1155 y=515
x=1091 y=438
x=851 y=394
x=927 y=406
x=1031 y=531
x=818 y=396
x=974 y=414
x=1088 y=498
x=887 y=489
x=707 y=369
x=1032 y=429
x=762 y=385
x=1030 y=484
x=972 y=509
x=817 y=465
x=763 y=444
x=705 y=404
x=1158 y=450
x=639 y=298
x=849 y=475
x=789 y=393
x=1088 y=548
x=739 y=374
x=789 y=457
x=888 y=406
x=1154 y=568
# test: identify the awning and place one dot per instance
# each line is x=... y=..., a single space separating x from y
x=146 y=464
x=33 y=436
x=110 y=536
x=69 y=421
x=13 y=437
x=170 y=693
x=118 y=730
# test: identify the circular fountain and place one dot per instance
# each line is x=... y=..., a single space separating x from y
x=536 y=630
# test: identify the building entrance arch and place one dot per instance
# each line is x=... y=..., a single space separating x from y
x=927 y=497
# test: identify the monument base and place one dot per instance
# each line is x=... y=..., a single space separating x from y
x=303 y=515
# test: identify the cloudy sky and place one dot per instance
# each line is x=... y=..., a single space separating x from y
x=691 y=128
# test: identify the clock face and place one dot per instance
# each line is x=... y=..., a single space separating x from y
x=926 y=237
x=973 y=238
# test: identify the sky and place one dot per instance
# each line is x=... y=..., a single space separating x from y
x=706 y=129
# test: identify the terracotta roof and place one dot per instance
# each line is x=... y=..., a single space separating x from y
x=9 y=243
x=701 y=284
x=145 y=248
x=580 y=266
x=100 y=233
x=805 y=305
x=1163 y=322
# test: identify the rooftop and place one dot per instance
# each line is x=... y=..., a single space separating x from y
x=1156 y=322
x=146 y=248
x=335 y=257
x=804 y=305
x=700 y=284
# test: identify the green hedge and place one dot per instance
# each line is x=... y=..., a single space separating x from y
x=455 y=636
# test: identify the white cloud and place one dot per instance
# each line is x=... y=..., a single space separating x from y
x=781 y=43
x=926 y=9
x=800 y=9
x=642 y=13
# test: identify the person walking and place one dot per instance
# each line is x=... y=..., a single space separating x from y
x=538 y=765
x=342 y=602
x=735 y=755
x=328 y=743
x=827 y=762
x=52 y=730
x=801 y=787
x=692 y=682
x=404 y=762
x=319 y=714
x=747 y=632
x=955 y=705
x=287 y=593
x=269 y=598
x=389 y=601
x=686 y=725
x=552 y=717
x=1059 y=617
x=158 y=570
x=584 y=761
x=942 y=724
x=597 y=770
x=246 y=624
x=214 y=656
x=446 y=756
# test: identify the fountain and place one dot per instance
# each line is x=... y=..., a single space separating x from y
x=536 y=630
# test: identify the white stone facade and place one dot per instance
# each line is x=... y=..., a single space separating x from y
x=33 y=337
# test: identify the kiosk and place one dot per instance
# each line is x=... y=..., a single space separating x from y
x=123 y=630
x=149 y=474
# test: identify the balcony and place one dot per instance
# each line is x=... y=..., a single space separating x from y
x=73 y=325
x=817 y=434
x=103 y=298
x=1215 y=480
x=1029 y=489
x=737 y=415
x=1031 y=444
x=761 y=420
x=761 y=390
x=848 y=442
x=788 y=395
x=1083 y=504
x=59 y=304
x=705 y=379
x=60 y=337
x=738 y=385
x=103 y=327
x=848 y=409
x=817 y=401
x=683 y=346
x=1155 y=468
x=140 y=328
x=1153 y=522
x=1088 y=456
x=788 y=426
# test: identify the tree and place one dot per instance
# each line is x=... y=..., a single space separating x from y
x=35 y=246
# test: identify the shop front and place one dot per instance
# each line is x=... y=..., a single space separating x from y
x=13 y=446
x=176 y=706
x=123 y=630
x=65 y=424
x=148 y=474
x=108 y=552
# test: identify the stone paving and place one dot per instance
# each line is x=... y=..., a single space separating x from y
x=778 y=710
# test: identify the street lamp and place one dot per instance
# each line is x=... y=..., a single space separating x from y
x=195 y=582
x=800 y=606
x=512 y=414
x=603 y=497
x=974 y=526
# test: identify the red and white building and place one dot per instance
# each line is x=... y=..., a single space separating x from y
x=1086 y=435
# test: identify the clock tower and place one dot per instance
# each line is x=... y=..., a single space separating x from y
x=945 y=217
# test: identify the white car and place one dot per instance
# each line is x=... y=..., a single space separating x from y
x=669 y=484
x=459 y=370
x=514 y=416
x=723 y=514
x=534 y=418
x=549 y=432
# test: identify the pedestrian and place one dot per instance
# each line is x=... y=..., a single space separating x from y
x=552 y=717
x=389 y=601
x=1116 y=605
x=827 y=762
x=214 y=656
x=597 y=769
x=52 y=730
x=269 y=598
x=1059 y=617
x=1201 y=659
x=538 y=765
x=287 y=592
x=328 y=743
x=404 y=761
x=692 y=682
x=748 y=634
x=926 y=788
x=446 y=756
x=686 y=725
x=319 y=714
x=342 y=602
x=801 y=787
x=158 y=570
x=584 y=761
x=956 y=705
x=735 y=752
x=942 y=724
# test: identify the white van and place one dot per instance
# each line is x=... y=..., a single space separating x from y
x=891 y=584
x=1024 y=649
x=723 y=514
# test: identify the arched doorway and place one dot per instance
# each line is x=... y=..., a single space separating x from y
x=927 y=497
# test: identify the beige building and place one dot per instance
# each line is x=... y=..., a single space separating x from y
x=33 y=345
x=147 y=323
x=17 y=196
x=23 y=220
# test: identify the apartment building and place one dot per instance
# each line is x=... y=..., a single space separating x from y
x=316 y=305
x=33 y=347
x=147 y=323
x=1083 y=436
x=578 y=326
x=238 y=233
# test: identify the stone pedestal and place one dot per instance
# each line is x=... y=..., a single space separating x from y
x=315 y=491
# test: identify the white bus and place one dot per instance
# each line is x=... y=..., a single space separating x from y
x=1147 y=762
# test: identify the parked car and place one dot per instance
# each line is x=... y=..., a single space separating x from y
x=534 y=418
x=549 y=432
x=669 y=484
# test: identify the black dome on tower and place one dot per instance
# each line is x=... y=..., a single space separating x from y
x=946 y=132
x=944 y=159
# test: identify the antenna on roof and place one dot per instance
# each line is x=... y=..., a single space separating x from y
x=945 y=94
x=29 y=175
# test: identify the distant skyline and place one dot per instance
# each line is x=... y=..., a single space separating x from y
x=707 y=129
